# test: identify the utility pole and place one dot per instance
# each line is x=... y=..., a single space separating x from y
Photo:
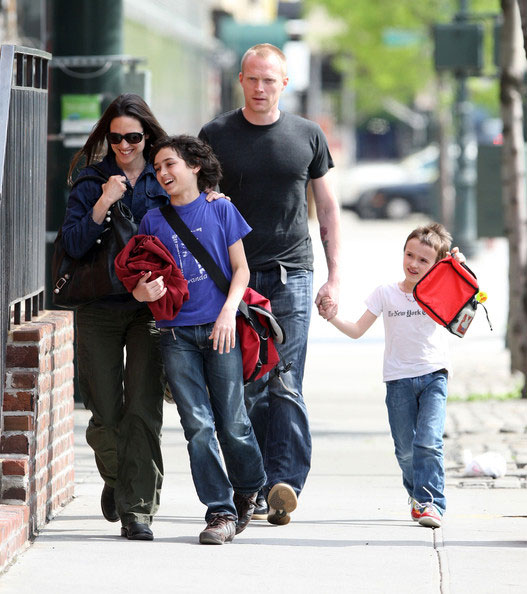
x=83 y=37
x=465 y=222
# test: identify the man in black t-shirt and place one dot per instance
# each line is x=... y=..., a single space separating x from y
x=268 y=157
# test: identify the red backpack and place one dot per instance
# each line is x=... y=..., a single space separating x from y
x=258 y=330
x=447 y=293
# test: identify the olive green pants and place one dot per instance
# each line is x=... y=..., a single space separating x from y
x=120 y=380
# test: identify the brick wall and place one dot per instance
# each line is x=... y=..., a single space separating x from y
x=36 y=446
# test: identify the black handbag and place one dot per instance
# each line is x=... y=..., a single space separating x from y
x=78 y=282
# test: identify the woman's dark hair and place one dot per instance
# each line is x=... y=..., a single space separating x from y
x=195 y=153
x=130 y=105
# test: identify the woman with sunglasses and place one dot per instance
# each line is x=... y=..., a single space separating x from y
x=124 y=394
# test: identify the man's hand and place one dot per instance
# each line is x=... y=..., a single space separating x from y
x=329 y=291
x=213 y=195
x=327 y=308
x=149 y=291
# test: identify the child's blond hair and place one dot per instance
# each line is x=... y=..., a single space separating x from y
x=434 y=235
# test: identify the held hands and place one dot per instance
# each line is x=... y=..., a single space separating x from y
x=114 y=188
x=327 y=300
x=223 y=334
x=457 y=255
x=149 y=291
x=327 y=308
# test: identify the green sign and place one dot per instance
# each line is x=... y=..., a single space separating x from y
x=459 y=47
x=79 y=113
x=401 y=37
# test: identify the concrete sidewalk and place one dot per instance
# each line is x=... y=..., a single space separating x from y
x=352 y=530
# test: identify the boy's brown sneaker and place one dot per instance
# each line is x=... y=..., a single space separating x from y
x=282 y=501
x=221 y=528
x=245 y=504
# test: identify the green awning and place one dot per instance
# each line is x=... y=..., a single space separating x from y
x=240 y=36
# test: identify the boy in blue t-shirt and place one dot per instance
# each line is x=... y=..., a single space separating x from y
x=415 y=370
x=202 y=357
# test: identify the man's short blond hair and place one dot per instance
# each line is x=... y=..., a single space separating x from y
x=263 y=50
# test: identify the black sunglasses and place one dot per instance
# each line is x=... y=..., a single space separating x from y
x=130 y=137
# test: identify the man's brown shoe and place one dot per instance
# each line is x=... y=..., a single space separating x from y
x=282 y=501
x=221 y=528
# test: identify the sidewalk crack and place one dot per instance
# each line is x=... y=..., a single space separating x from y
x=442 y=561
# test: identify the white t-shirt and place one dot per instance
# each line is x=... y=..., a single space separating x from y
x=414 y=344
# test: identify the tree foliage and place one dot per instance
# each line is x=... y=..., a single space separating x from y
x=391 y=44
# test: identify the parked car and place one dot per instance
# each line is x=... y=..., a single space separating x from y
x=418 y=168
x=396 y=202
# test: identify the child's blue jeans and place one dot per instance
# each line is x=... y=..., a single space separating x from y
x=416 y=411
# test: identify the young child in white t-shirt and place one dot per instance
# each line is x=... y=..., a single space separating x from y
x=415 y=370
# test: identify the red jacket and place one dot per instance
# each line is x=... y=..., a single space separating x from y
x=146 y=253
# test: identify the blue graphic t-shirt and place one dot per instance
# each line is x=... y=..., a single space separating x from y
x=217 y=225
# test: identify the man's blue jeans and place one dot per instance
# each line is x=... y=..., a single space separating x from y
x=278 y=413
x=416 y=411
x=208 y=390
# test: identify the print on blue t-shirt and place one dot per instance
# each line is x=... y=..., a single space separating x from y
x=217 y=225
x=193 y=270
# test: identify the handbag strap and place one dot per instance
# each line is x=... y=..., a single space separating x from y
x=199 y=252
x=102 y=178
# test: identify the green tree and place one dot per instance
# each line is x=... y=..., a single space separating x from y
x=391 y=44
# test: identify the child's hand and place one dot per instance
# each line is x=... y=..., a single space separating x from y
x=457 y=255
x=327 y=308
x=223 y=334
x=149 y=291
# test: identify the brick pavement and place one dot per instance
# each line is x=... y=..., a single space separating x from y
x=487 y=426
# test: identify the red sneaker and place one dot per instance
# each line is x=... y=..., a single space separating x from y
x=415 y=510
x=430 y=517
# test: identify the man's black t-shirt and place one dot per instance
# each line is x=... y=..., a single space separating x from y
x=265 y=173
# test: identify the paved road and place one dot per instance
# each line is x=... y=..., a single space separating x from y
x=352 y=531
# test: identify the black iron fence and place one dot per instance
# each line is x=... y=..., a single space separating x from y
x=23 y=137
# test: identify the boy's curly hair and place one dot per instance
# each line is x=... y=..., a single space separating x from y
x=434 y=235
x=195 y=153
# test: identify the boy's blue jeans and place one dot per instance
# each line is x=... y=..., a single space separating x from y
x=278 y=412
x=416 y=411
x=208 y=390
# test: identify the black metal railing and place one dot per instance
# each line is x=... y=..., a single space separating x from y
x=23 y=137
